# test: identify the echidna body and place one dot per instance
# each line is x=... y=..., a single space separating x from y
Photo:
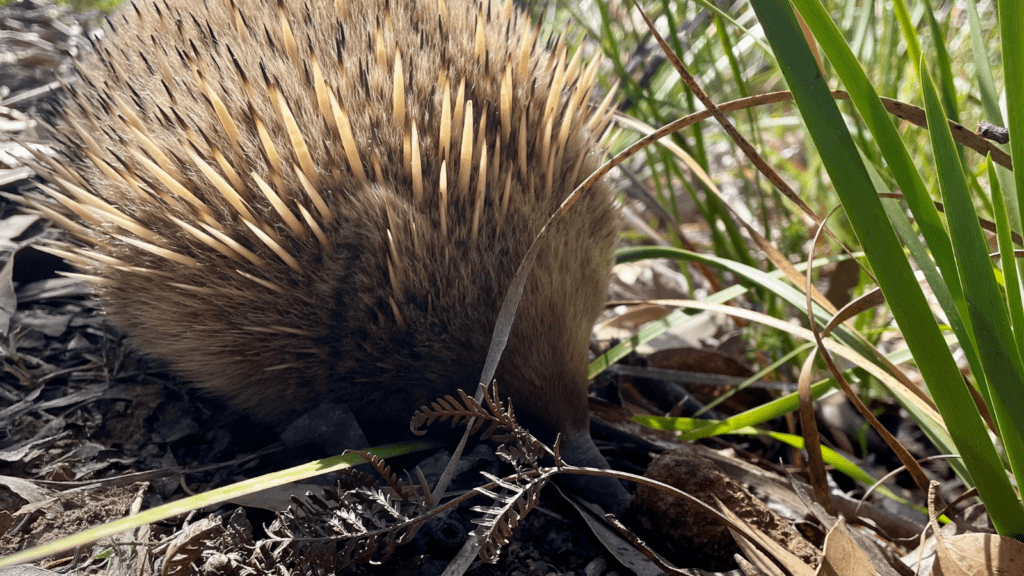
x=293 y=202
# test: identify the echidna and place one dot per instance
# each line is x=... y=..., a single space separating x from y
x=308 y=200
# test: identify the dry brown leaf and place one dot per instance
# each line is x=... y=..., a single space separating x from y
x=842 y=555
x=972 y=554
x=978 y=555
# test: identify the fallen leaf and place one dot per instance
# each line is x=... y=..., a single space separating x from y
x=842 y=555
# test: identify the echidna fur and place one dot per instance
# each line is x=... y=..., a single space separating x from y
x=293 y=201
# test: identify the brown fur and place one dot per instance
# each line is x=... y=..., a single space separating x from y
x=381 y=306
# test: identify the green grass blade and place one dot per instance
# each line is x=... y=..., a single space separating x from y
x=756 y=376
x=986 y=85
x=649 y=332
x=1011 y=27
x=895 y=276
x=698 y=429
x=215 y=496
x=831 y=457
x=878 y=121
x=899 y=7
x=990 y=103
x=931 y=421
x=941 y=57
x=770 y=282
x=988 y=314
x=1011 y=270
x=963 y=330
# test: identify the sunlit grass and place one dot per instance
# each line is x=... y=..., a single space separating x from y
x=883 y=171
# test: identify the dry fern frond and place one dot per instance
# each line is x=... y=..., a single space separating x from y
x=460 y=411
x=367 y=522
x=495 y=529
x=521 y=449
x=189 y=545
x=403 y=490
x=464 y=409
x=189 y=550
x=342 y=527
x=517 y=447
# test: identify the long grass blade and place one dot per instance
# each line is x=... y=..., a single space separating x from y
x=988 y=313
x=867 y=217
